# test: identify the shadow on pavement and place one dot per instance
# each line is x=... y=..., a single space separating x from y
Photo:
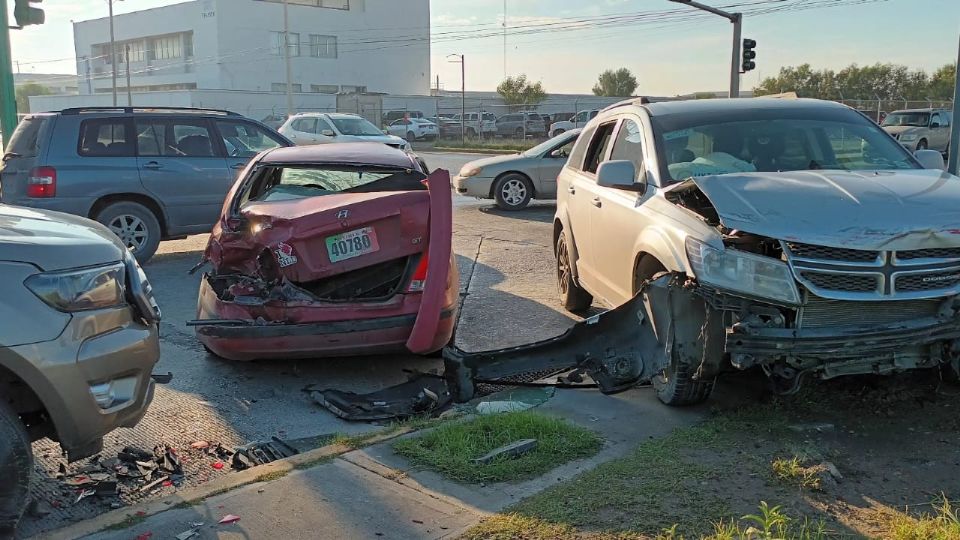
x=542 y=212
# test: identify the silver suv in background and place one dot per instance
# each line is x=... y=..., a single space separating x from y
x=149 y=174
x=78 y=342
x=786 y=234
x=919 y=129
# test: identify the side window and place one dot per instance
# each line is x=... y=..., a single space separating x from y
x=581 y=117
x=580 y=149
x=107 y=137
x=324 y=125
x=628 y=146
x=243 y=139
x=152 y=139
x=305 y=125
x=193 y=139
x=598 y=147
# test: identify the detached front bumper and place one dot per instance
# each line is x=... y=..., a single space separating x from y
x=473 y=186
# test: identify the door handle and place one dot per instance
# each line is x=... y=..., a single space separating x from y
x=152 y=165
x=596 y=202
x=571 y=190
x=238 y=166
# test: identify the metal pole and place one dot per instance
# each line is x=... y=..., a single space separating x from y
x=286 y=57
x=126 y=55
x=8 y=94
x=504 y=39
x=113 y=55
x=735 y=59
x=954 y=151
x=463 y=99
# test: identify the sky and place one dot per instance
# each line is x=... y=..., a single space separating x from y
x=668 y=56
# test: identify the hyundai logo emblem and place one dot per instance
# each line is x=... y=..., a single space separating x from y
x=344 y=214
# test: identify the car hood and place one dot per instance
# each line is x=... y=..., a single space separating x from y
x=497 y=163
x=897 y=130
x=386 y=139
x=55 y=241
x=873 y=210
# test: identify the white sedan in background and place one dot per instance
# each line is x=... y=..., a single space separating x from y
x=414 y=129
x=322 y=128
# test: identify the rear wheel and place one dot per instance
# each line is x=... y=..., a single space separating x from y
x=512 y=192
x=16 y=469
x=519 y=133
x=471 y=132
x=411 y=136
x=572 y=296
x=135 y=226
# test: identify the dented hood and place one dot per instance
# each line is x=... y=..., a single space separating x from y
x=876 y=210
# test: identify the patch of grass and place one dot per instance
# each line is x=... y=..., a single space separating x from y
x=451 y=448
x=273 y=475
x=518 y=527
x=942 y=524
x=770 y=523
x=315 y=462
x=792 y=471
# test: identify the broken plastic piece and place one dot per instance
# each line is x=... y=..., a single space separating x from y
x=229 y=518
x=144 y=536
x=425 y=393
x=512 y=450
x=162 y=379
x=84 y=494
x=217 y=465
x=187 y=535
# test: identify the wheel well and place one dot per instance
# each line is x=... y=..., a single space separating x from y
x=645 y=266
x=493 y=184
x=151 y=204
x=25 y=402
x=557 y=231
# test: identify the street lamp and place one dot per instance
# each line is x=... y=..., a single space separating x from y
x=737 y=20
x=113 y=53
x=463 y=94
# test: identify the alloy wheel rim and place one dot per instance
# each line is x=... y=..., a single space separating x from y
x=514 y=192
x=131 y=230
x=563 y=267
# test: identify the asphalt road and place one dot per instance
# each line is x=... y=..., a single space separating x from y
x=506 y=269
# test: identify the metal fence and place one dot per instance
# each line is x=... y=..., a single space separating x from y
x=878 y=108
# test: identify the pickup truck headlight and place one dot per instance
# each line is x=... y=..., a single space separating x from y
x=80 y=290
x=907 y=137
x=742 y=272
x=468 y=171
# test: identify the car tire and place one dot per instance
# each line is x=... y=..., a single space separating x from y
x=573 y=297
x=558 y=132
x=519 y=133
x=135 y=225
x=922 y=145
x=411 y=136
x=512 y=192
x=16 y=469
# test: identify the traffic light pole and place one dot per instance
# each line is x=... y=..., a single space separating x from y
x=737 y=20
x=954 y=149
x=8 y=96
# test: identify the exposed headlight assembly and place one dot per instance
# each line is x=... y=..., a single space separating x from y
x=80 y=290
x=907 y=137
x=742 y=272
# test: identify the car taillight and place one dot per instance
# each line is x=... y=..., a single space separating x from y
x=42 y=182
x=420 y=275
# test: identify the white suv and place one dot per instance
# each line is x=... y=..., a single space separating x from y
x=792 y=235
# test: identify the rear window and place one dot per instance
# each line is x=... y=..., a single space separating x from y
x=25 y=141
x=105 y=137
x=290 y=183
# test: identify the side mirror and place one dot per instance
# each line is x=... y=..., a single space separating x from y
x=934 y=124
x=619 y=174
x=328 y=133
x=930 y=159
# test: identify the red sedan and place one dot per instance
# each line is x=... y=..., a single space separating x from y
x=331 y=250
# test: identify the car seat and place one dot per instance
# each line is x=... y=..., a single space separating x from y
x=195 y=146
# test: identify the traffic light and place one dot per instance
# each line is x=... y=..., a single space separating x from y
x=748 y=55
x=26 y=14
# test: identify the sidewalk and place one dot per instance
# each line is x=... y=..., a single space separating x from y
x=372 y=493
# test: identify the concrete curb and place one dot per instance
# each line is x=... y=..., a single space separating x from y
x=216 y=487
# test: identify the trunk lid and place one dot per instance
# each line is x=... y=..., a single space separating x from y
x=23 y=152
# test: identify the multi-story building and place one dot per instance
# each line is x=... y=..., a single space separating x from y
x=335 y=46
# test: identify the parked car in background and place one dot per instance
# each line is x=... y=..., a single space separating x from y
x=274 y=121
x=414 y=129
x=446 y=126
x=331 y=250
x=917 y=129
x=796 y=236
x=148 y=174
x=514 y=180
x=577 y=121
x=78 y=342
x=519 y=125
x=390 y=117
x=482 y=123
x=325 y=128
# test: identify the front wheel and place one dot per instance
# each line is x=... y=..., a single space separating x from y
x=16 y=469
x=135 y=225
x=519 y=133
x=922 y=145
x=513 y=192
x=411 y=136
x=573 y=297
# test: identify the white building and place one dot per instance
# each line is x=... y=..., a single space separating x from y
x=336 y=46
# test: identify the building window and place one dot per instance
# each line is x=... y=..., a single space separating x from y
x=282 y=87
x=324 y=88
x=167 y=48
x=323 y=46
x=353 y=89
x=293 y=42
x=329 y=4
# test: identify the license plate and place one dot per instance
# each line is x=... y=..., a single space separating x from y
x=352 y=244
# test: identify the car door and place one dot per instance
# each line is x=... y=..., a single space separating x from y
x=398 y=128
x=303 y=131
x=548 y=168
x=325 y=131
x=582 y=197
x=244 y=140
x=940 y=134
x=182 y=164
x=615 y=219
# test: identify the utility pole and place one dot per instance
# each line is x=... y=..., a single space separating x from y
x=113 y=55
x=286 y=57
x=463 y=94
x=737 y=20
x=126 y=56
x=8 y=103
x=504 y=39
x=954 y=126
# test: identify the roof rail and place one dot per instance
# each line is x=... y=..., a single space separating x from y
x=626 y=102
x=131 y=110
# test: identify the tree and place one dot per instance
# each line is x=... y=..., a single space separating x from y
x=889 y=82
x=25 y=91
x=619 y=83
x=519 y=91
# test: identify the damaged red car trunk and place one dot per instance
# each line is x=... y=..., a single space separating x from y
x=331 y=250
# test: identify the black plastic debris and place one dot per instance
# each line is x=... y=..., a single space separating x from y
x=261 y=453
x=424 y=393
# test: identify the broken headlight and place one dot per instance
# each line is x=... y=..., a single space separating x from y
x=739 y=271
x=80 y=290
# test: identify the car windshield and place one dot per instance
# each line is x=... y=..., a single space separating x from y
x=549 y=145
x=778 y=144
x=355 y=126
x=274 y=184
x=917 y=119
